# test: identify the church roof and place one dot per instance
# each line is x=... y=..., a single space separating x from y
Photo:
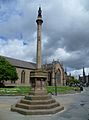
x=21 y=63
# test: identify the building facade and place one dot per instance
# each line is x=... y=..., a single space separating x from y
x=55 y=72
x=23 y=69
x=84 y=79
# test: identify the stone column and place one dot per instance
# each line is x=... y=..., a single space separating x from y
x=39 y=75
x=39 y=22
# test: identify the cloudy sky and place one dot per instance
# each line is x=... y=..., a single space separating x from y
x=65 y=33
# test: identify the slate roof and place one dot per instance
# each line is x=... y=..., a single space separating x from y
x=21 y=63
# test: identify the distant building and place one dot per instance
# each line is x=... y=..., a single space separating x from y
x=85 y=78
x=55 y=72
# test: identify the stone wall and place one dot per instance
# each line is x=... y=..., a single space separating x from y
x=26 y=80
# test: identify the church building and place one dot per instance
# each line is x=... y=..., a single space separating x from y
x=55 y=72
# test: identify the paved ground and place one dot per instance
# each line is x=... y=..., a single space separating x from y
x=76 y=108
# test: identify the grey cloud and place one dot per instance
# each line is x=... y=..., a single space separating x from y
x=85 y=4
x=66 y=25
x=74 y=29
x=18 y=23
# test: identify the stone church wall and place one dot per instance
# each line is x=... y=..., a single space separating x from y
x=26 y=77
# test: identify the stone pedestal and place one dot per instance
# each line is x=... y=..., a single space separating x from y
x=38 y=82
x=38 y=102
x=37 y=105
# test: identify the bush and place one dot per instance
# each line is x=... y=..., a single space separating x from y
x=7 y=71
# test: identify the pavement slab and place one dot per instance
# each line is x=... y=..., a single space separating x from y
x=76 y=108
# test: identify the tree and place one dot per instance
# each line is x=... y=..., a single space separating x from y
x=7 y=71
x=72 y=81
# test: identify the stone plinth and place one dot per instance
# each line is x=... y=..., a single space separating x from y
x=38 y=81
x=38 y=102
x=37 y=105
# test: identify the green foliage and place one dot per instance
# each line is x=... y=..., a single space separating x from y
x=18 y=90
x=24 y=90
x=72 y=81
x=62 y=89
x=7 y=71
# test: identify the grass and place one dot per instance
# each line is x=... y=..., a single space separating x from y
x=62 y=89
x=18 y=90
x=24 y=90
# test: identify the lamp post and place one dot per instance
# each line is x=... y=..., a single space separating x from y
x=55 y=72
x=55 y=84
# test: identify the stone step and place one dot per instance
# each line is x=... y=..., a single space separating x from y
x=38 y=97
x=34 y=102
x=37 y=112
x=34 y=107
x=43 y=92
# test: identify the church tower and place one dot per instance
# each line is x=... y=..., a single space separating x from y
x=39 y=22
x=84 y=76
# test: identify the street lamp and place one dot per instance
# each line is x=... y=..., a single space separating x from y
x=55 y=83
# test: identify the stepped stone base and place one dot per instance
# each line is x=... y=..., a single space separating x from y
x=37 y=105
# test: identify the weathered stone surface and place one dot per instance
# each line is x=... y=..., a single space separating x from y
x=37 y=105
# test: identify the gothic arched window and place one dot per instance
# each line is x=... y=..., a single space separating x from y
x=23 y=76
x=49 y=78
x=58 y=76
